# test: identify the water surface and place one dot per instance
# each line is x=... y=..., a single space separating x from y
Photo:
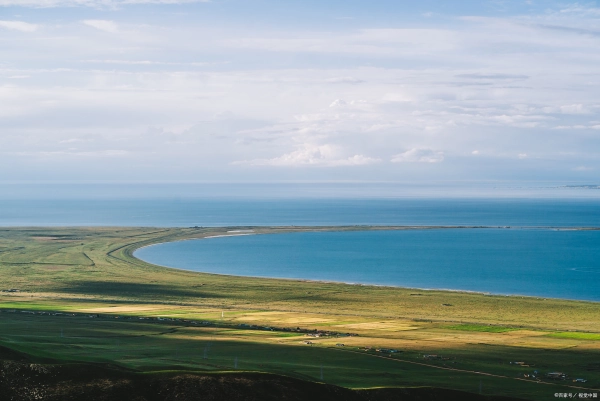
x=187 y=212
x=545 y=263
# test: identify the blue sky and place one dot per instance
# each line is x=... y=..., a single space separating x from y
x=164 y=90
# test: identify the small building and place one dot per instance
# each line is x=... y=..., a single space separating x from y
x=387 y=350
x=556 y=376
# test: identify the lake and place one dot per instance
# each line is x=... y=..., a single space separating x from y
x=535 y=262
x=187 y=212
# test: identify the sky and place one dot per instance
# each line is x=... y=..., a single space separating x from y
x=299 y=91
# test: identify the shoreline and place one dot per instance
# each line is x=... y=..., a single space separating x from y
x=304 y=280
x=315 y=227
x=312 y=229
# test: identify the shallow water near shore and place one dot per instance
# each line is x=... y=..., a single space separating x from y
x=534 y=262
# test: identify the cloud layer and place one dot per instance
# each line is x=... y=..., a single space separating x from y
x=190 y=96
x=90 y=3
x=18 y=26
x=103 y=25
x=418 y=156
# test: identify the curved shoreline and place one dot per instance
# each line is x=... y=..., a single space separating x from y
x=313 y=229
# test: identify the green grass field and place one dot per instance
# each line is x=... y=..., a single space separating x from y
x=151 y=318
x=481 y=328
x=578 y=336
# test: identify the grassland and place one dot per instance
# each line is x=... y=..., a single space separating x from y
x=482 y=328
x=120 y=310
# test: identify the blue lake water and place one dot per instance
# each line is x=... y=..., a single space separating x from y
x=186 y=212
x=545 y=263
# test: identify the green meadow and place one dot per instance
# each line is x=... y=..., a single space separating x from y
x=575 y=335
x=79 y=295
x=481 y=328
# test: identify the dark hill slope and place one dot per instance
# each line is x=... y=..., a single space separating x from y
x=22 y=381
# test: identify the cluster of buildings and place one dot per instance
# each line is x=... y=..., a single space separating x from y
x=435 y=356
x=563 y=376
x=387 y=350
x=549 y=375
x=309 y=332
x=382 y=350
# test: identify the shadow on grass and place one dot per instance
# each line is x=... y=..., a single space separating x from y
x=138 y=290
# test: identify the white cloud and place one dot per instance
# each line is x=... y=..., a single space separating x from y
x=522 y=156
x=417 y=155
x=90 y=3
x=147 y=62
x=581 y=10
x=103 y=25
x=375 y=42
x=18 y=26
x=573 y=109
x=344 y=80
x=475 y=152
x=73 y=140
x=78 y=153
x=338 y=103
x=575 y=127
x=314 y=155
x=356 y=160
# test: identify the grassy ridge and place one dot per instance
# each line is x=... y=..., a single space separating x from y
x=481 y=328
x=93 y=271
x=578 y=336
